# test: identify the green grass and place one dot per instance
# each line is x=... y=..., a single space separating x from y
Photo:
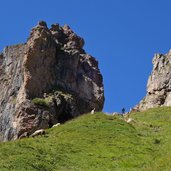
x=45 y=102
x=96 y=142
x=42 y=101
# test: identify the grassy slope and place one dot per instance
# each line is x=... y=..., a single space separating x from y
x=96 y=142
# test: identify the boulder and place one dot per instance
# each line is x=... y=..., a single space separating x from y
x=38 y=132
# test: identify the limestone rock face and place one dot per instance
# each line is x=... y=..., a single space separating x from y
x=159 y=83
x=49 y=79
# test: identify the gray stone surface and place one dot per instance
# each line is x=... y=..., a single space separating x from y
x=10 y=82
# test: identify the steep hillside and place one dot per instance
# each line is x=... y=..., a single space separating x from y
x=96 y=142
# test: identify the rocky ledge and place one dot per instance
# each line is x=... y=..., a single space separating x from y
x=49 y=79
x=159 y=84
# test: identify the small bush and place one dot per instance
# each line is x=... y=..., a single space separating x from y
x=40 y=101
x=156 y=141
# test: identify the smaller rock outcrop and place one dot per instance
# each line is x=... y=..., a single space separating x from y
x=159 y=83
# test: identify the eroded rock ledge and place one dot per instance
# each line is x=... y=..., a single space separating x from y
x=49 y=79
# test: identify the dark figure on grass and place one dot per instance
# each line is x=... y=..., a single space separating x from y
x=123 y=110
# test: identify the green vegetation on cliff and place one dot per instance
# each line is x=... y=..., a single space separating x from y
x=95 y=143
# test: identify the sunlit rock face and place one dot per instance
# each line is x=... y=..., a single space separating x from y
x=159 y=83
x=49 y=79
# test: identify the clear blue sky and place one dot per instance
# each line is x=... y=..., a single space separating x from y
x=123 y=35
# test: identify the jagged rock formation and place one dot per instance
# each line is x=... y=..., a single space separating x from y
x=49 y=79
x=159 y=84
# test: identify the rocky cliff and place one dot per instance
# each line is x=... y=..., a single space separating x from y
x=49 y=79
x=159 y=84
